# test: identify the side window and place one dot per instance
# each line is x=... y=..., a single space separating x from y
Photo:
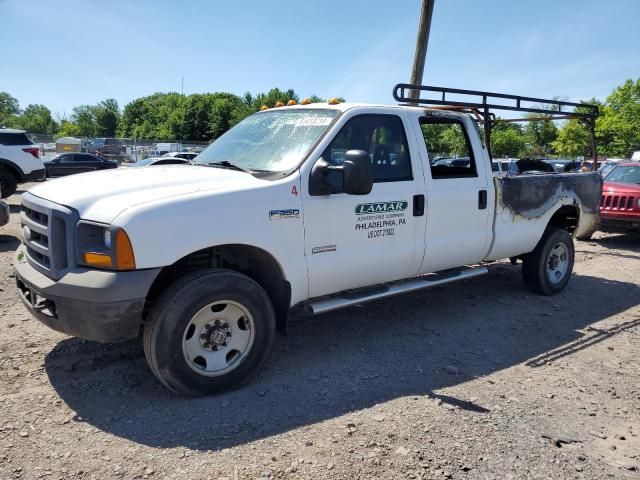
x=67 y=158
x=82 y=158
x=449 y=148
x=382 y=137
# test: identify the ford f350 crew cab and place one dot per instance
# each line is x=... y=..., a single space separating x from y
x=318 y=205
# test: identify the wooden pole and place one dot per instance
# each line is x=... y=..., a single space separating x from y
x=426 y=12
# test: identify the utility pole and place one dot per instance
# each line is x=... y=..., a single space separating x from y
x=426 y=12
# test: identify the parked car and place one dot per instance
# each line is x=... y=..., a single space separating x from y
x=620 y=203
x=164 y=148
x=19 y=161
x=319 y=206
x=104 y=146
x=155 y=161
x=184 y=155
x=70 y=163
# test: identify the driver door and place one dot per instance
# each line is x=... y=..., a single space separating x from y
x=353 y=241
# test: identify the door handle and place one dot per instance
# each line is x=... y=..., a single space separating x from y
x=418 y=205
x=482 y=199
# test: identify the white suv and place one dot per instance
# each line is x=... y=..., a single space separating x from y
x=19 y=160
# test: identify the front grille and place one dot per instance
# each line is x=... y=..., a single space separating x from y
x=47 y=229
x=617 y=202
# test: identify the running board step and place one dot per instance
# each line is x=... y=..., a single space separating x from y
x=355 y=297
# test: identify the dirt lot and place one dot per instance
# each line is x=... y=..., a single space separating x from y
x=475 y=380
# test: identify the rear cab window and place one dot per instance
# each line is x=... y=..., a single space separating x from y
x=449 y=148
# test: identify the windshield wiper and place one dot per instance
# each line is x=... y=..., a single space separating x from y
x=228 y=164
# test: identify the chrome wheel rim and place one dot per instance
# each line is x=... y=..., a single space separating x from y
x=558 y=263
x=218 y=338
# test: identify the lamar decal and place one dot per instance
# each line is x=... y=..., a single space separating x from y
x=381 y=207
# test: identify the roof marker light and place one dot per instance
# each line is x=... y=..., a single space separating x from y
x=333 y=101
x=279 y=104
x=292 y=102
x=306 y=101
x=264 y=107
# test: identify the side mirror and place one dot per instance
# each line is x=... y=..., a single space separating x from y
x=357 y=174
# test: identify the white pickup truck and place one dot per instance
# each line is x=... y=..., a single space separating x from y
x=320 y=205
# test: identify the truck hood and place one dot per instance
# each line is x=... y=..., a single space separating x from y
x=102 y=196
x=614 y=187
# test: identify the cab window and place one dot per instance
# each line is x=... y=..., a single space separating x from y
x=449 y=148
x=382 y=137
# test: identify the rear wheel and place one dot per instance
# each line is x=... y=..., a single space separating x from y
x=210 y=331
x=8 y=183
x=547 y=269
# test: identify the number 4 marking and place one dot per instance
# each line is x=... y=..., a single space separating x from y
x=294 y=191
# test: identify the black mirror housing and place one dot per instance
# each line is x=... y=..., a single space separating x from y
x=357 y=174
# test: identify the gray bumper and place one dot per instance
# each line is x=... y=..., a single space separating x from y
x=4 y=213
x=92 y=304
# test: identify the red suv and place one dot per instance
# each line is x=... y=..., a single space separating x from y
x=620 y=204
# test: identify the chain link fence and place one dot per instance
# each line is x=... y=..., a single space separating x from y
x=122 y=150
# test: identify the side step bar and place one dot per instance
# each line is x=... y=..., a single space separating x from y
x=354 y=297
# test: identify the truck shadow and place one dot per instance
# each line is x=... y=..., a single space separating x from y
x=8 y=243
x=346 y=361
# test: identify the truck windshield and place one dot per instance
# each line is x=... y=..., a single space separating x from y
x=272 y=141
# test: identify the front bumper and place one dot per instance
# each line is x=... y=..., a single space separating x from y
x=5 y=213
x=619 y=225
x=87 y=303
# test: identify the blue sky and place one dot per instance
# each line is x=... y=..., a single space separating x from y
x=69 y=52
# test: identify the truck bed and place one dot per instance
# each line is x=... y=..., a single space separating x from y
x=522 y=201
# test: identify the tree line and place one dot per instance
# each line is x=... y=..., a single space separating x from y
x=206 y=116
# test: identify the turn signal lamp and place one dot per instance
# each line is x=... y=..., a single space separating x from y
x=101 y=260
x=124 y=252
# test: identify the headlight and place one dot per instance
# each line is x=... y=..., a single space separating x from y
x=103 y=246
x=107 y=238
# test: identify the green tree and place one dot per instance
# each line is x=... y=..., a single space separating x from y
x=68 y=129
x=107 y=117
x=540 y=134
x=37 y=119
x=83 y=116
x=507 y=142
x=272 y=97
x=618 y=128
x=9 y=109
x=573 y=139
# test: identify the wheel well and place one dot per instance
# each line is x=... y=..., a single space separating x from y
x=566 y=217
x=253 y=262
x=13 y=168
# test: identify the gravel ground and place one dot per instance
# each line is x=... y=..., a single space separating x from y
x=474 y=380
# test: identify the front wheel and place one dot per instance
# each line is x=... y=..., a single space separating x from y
x=547 y=269
x=210 y=331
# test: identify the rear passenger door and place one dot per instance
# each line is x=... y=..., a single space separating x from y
x=358 y=240
x=459 y=192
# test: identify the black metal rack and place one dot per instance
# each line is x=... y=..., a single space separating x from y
x=482 y=103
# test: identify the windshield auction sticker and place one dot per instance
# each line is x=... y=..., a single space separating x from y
x=380 y=219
